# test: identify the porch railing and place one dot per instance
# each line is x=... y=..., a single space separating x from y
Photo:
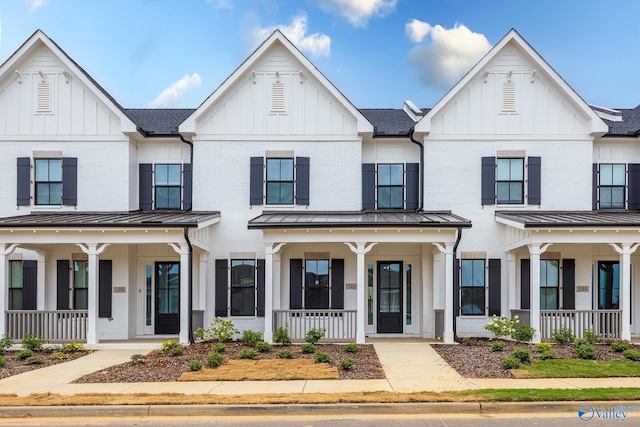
x=51 y=325
x=603 y=322
x=339 y=325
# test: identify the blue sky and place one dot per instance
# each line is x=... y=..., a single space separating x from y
x=174 y=53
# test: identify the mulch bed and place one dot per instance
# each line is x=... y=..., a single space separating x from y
x=15 y=366
x=473 y=358
x=162 y=366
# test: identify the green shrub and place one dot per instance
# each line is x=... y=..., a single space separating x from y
x=541 y=347
x=263 y=346
x=219 y=347
x=314 y=335
x=58 y=355
x=32 y=342
x=523 y=333
x=501 y=326
x=169 y=345
x=547 y=354
x=347 y=363
x=631 y=354
x=195 y=365
x=219 y=330
x=247 y=353
x=592 y=337
x=2 y=362
x=24 y=354
x=33 y=360
x=563 y=336
x=308 y=348
x=285 y=354
x=177 y=351
x=214 y=359
x=73 y=347
x=321 y=357
x=497 y=346
x=351 y=347
x=251 y=337
x=583 y=349
x=281 y=336
x=510 y=362
x=619 y=346
x=137 y=359
x=5 y=343
x=522 y=354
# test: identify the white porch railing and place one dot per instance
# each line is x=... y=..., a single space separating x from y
x=603 y=322
x=339 y=325
x=53 y=325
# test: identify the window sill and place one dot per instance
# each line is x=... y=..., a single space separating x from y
x=45 y=207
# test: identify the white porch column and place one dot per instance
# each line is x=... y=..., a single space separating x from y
x=535 y=250
x=447 y=250
x=202 y=283
x=360 y=249
x=511 y=280
x=5 y=288
x=183 y=251
x=41 y=288
x=93 y=251
x=625 y=287
x=269 y=290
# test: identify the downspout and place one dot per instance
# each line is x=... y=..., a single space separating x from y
x=421 y=203
x=455 y=287
x=190 y=144
x=190 y=280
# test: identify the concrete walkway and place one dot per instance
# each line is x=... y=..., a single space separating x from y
x=409 y=367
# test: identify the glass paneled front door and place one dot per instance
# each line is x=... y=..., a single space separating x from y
x=167 y=298
x=390 y=318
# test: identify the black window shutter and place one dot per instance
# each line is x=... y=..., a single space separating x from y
x=368 y=186
x=187 y=186
x=594 y=187
x=525 y=284
x=29 y=284
x=24 y=181
x=302 y=180
x=534 y=178
x=494 y=287
x=260 y=277
x=222 y=281
x=634 y=186
x=105 y=287
x=337 y=284
x=69 y=181
x=256 y=178
x=569 y=284
x=295 y=284
x=413 y=185
x=62 y=284
x=456 y=285
x=488 y=180
x=145 y=186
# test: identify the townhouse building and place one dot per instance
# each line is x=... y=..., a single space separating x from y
x=278 y=203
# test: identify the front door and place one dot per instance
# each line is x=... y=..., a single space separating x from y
x=167 y=298
x=390 y=297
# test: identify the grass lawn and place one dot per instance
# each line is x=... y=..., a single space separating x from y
x=578 y=368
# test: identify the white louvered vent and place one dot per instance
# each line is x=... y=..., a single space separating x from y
x=277 y=98
x=508 y=97
x=44 y=98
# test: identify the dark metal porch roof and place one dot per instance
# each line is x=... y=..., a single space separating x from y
x=365 y=219
x=550 y=219
x=138 y=219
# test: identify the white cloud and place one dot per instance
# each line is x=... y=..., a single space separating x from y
x=358 y=12
x=316 y=44
x=34 y=4
x=450 y=54
x=417 y=30
x=221 y=4
x=174 y=93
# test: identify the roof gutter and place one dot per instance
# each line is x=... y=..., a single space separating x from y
x=421 y=203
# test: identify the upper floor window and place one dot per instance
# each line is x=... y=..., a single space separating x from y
x=612 y=185
x=55 y=181
x=285 y=182
x=280 y=181
x=165 y=186
x=390 y=186
x=472 y=287
x=549 y=284
x=48 y=181
x=243 y=287
x=168 y=184
x=510 y=181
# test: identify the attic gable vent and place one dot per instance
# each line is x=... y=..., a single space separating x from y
x=44 y=98
x=508 y=97
x=277 y=98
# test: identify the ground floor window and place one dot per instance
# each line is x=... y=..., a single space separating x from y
x=15 y=285
x=80 y=285
x=408 y=295
x=472 y=287
x=370 y=294
x=316 y=284
x=549 y=284
x=243 y=287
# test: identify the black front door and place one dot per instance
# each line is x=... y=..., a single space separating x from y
x=167 y=298
x=390 y=297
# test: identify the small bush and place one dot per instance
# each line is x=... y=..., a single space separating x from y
x=563 y=336
x=169 y=345
x=547 y=354
x=631 y=354
x=347 y=363
x=195 y=365
x=541 y=347
x=321 y=357
x=583 y=349
x=219 y=347
x=32 y=342
x=24 y=354
x=263 y=346
x=510 y=362
x=523 y=333
x=73 y=347
x=522 y=354
x=5 y=343
x=2 y=362
x=58 y=355
x=351 y=347
x=177 y=351
x=308 y=348
x=33 y=360
x=314 y=335
x=619 y=346
x=501 y=326
x=219 y=330
x=247 y=353
x=285 y=354
x=592 y=337
x=214 y=359
x=137 y=359
x=251 y=337
x=281 y=336
x=497 y=346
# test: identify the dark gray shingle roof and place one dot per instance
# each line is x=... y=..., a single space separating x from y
x=389 y=121
x=158 y=121
x=630 y=124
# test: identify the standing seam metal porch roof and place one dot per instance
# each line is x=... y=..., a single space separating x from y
x=555 y=219
x=137 y=219
x=366 y=219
